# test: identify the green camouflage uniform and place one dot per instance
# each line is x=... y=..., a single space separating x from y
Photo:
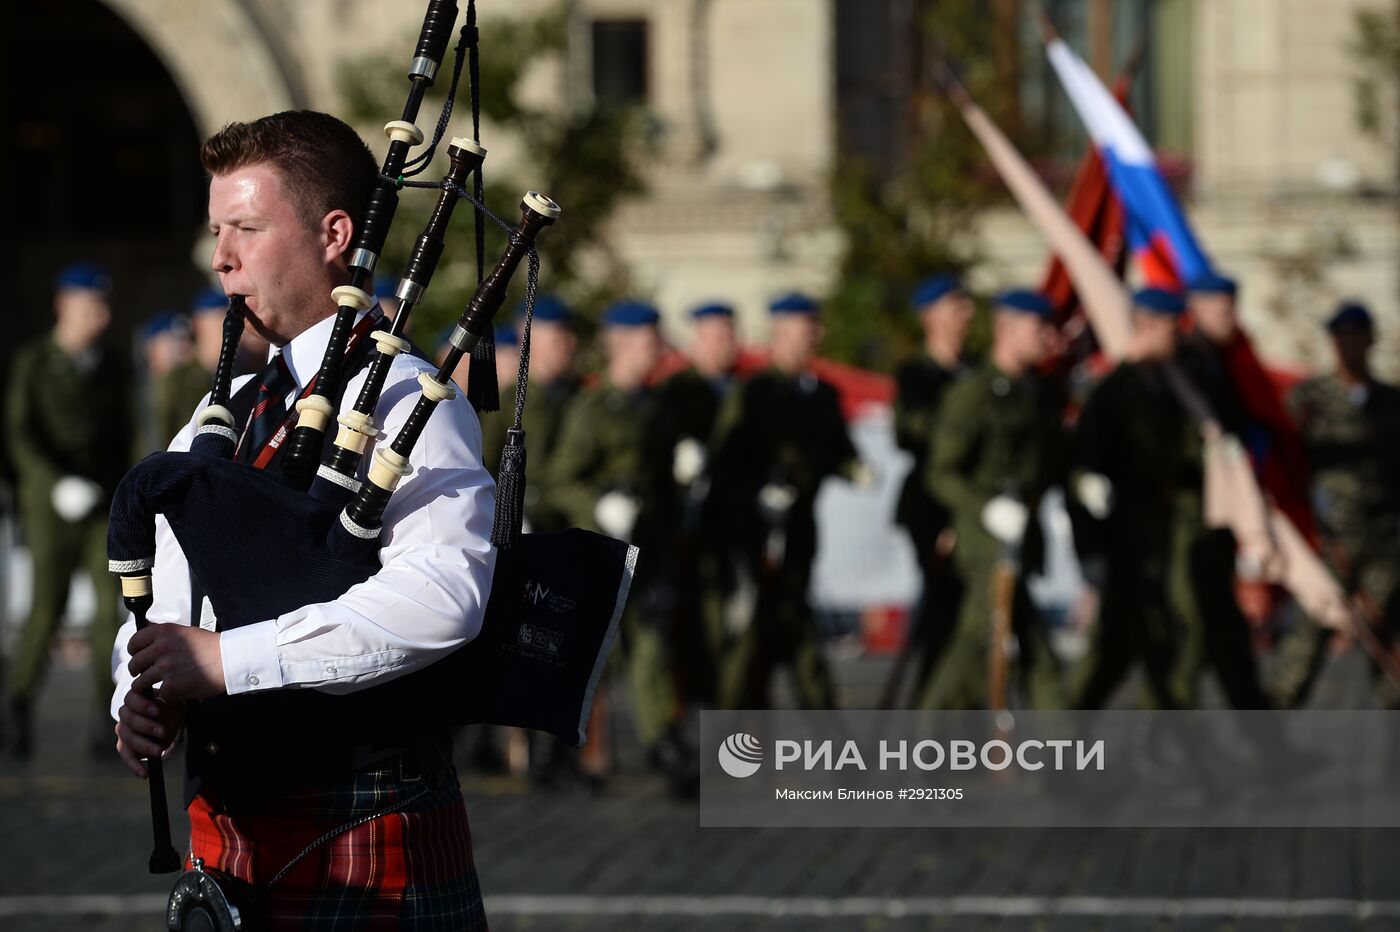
x=995 y=436
x=1352 y=438
x=919 y=387
x=1133 y=432
x=786 y=431
x=176 y=394
x=543 y=423
x=610 y=442
x=66 y=417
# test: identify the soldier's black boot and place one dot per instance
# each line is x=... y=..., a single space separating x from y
x=675 y=760
x=21 y=729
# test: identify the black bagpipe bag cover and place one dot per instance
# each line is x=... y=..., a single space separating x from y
x=259 y=549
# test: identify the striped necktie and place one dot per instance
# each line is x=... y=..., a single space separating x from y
x=270 y=410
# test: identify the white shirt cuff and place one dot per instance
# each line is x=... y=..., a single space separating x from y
x=250 y=658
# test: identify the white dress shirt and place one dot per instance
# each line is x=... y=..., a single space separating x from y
x=430 y=592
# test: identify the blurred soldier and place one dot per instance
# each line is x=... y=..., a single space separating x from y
x=67 y=412
x=945 y=313
x=996 y=449
x=702 y=572
x=165 y=346
x=1133 y=442
x=778 y=438
x=1351 y=430
x=184 y=386
x=611 y=472
x=553 y=385
x=1203 y=558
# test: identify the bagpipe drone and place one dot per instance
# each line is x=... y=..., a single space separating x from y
x=262 y=543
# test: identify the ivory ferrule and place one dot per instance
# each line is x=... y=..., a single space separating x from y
x=315 y=412
x=350 y=296
x=389 y=467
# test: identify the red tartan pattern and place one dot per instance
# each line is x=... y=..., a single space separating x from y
x=411 y=869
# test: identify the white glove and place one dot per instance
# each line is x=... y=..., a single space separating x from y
x=688 y=462
x=775 y=500
x=74 y=497
x=1005 y=519
x=616 y=514
x=1095 y=493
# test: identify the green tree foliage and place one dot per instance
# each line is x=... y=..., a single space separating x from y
x=1375 y=43
x=915 y=218
x=587 y=159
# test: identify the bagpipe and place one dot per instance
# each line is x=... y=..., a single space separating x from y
x=261 y=543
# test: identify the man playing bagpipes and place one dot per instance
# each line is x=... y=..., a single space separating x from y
x=285 y=199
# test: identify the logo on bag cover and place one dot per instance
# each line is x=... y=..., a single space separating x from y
x=740 y=755
x=541 y=596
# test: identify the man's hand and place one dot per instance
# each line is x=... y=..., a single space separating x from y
x=146 y=727
x=185 y=660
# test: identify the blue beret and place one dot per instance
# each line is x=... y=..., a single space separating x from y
x=631 y=314
x=163 y=322
x=209 y=299
x=1025 y=301
x=84 y=275
x=506 y=336
x=793 y=302
x=1159 y=301
x=548 y=309
x=931 y=289
x=1213 y=283
x=385 y=287
x=713 y=309
x=1351 y=314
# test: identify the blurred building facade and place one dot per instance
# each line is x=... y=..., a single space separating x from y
x=751 y=100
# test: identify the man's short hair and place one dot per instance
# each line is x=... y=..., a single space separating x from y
x=324 y=164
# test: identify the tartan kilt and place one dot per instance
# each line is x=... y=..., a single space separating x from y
x=410 y=869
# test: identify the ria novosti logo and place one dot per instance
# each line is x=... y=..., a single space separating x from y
x=740 y=755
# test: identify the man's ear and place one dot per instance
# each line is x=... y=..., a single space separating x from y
x=337 y=233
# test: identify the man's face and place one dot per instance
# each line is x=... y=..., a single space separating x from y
x=1154 y=336
x=208 y=331
x=1023 y=338
x=714 y=346
x=794 y=341
x=165 y=351
x=949 y=318
x=552 y=347
x=1352 y=345
x=266 y=251
x=507 y=365
x=633 y=353
x=82 y=316
x=1214 y=315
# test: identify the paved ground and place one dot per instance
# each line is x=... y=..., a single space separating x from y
x=76 y=835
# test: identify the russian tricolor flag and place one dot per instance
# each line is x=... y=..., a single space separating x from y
x=1161 y=241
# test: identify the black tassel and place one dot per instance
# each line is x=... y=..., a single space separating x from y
x=510 y=491
x=482 y=390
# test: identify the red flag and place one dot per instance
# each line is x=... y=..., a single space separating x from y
x=1274 y=445
x=1094 y=209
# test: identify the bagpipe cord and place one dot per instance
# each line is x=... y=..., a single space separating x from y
x=510 y=478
